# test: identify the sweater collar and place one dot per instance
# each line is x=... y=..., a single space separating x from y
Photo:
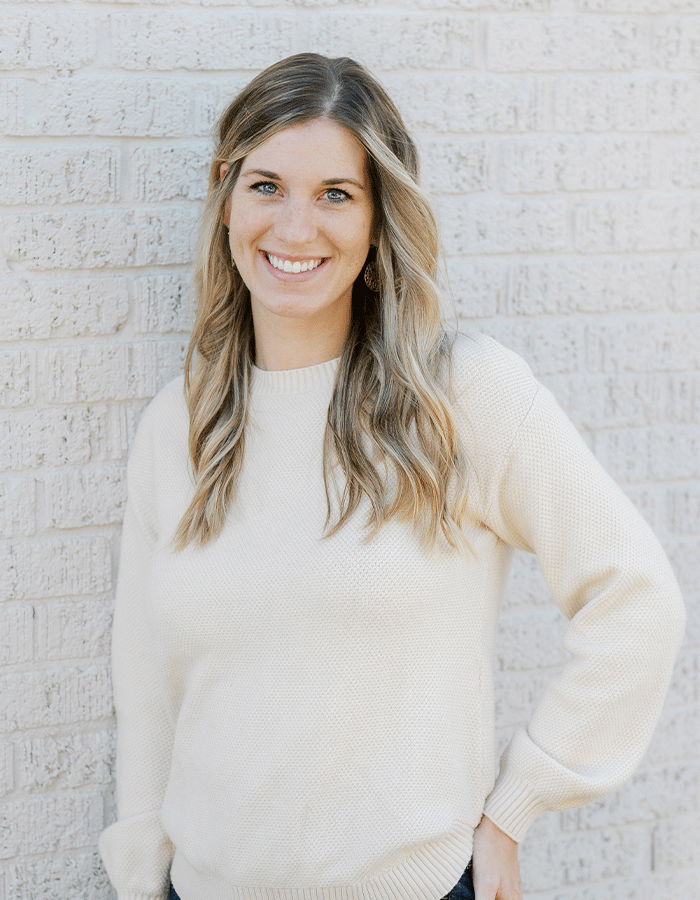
x=296 y=381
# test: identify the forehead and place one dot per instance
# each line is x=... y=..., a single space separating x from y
x=317 y=147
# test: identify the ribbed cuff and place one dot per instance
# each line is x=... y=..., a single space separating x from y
x=513 y=805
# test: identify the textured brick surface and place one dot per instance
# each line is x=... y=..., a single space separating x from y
x=560 y=141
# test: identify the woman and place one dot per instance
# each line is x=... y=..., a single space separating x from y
x=317 y=535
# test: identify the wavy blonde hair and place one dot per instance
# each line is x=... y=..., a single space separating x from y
x=392 y=382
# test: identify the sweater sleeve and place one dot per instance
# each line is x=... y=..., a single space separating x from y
x=136 y=851
x=610 y=577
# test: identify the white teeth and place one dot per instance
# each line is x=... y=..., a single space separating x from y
x=286 y=265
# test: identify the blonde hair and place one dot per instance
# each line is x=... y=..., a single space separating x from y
x=391 y=385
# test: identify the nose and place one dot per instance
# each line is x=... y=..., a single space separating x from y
x=294 y=223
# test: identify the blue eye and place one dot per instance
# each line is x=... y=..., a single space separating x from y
x=264 y=187
x=335 y=195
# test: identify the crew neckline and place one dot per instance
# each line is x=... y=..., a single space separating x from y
x=295 y=381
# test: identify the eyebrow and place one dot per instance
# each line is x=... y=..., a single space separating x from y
x=273 y=176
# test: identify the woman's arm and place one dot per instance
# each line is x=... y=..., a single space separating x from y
x=495 y=866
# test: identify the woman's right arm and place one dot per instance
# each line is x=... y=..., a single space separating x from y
x=136 y=851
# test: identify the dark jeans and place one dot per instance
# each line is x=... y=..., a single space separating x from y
x=463 y=890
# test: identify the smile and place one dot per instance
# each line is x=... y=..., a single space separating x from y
x=286 y=265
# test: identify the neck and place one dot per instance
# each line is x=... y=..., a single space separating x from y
x=296 y=343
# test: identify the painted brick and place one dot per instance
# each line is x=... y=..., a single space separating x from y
x=17 y=507
x=16 y=377
x=164 y=303
x=685 y=559
x=74 y=629
x=41 y=175
x=11 y=105
x=650 y=504
x=32 y=438
x=567 y=286
x=685 y=684
x=676 y=43
x=516 y=694
x=682 y=399
x=54 y=697
x=66 y=761
x=683 y=509
x=50 y=824
x=502 y=226
x=54 y=568
x=62 y=307
x=117 y=372
x=685 y=286
x=649 y=885
x=654 y=6
x=574 y=164
x=170 y=173
x=526 y=589
x=455 y=166
x=651 y=344
x=561 y=43
x=92 y=239
x=108 y=106
x=201 y=41
x=684 y=164
x=554 y=350
x=677 y=844
x=530 y=642
x=7 y=779
x=664 y=453
x=661 y=222
x=477 y=289
x=76 y=877
x=649 y=796
x=46 y=39
x=622 y=401
x=675 y=737
x=16 y=634
x=86 y=497
x=480 y=103
x=625 y=104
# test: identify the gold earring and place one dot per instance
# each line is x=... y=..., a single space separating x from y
x=371 y=276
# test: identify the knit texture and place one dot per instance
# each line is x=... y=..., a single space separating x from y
x=301 y=716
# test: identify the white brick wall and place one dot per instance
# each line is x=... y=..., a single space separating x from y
x=561 y=141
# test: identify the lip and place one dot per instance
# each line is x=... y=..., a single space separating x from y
x=291 y=276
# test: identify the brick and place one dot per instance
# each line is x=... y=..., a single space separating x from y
x=683 y=509
x=574 y=164
x=664 y=453
x=70 y=436
x=469 y=104
x=7 y=779
x=54 y=568
x=502 y=226
x=74 y=629
x=516 y=694
x=649 y=885
x=661 y=222
x=684 y=295
x=40 y=175
x=96 y=238
x=478 y=289
x=526 y=589
x=677 y=844
x=676 y=736
x=682 y=399
x=649 y=503
x=16 y=377
x=171 y=173
x=16 y=634
x=54 y=697
x=86 y=497
x=685 y=559
x=561 y=43
x=17 y=507
x=530 y=642
x=567 y=286
x=676 y=43
x=649 y=796
x=172 y=40
x=622 y=401
x=38 y=41
x=685 y=684
x=637 y=103
x=116 y=372
x=67 y=307
x=164 y=303
x=638 y=6
x=553 y=350
x=455 y=166
x=11 y=105
x=684 y=164
x=67 y=761
x=651 y=344
x=75 y=877
x=48 y=824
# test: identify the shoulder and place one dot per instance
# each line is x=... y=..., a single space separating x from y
x=163 y=428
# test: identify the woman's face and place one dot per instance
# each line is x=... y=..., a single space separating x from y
x=300 y=224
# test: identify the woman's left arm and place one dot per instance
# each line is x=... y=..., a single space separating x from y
x=611 y=578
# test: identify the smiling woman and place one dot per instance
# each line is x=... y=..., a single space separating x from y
x=319 y=527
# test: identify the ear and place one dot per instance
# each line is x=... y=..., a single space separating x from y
x=223 y=169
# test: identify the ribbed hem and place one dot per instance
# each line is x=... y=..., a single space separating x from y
x=130 y=895
x=513 y=805
x=431 y=871
x=294 y=381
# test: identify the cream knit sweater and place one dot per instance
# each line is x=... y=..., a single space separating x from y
x=302 y=718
